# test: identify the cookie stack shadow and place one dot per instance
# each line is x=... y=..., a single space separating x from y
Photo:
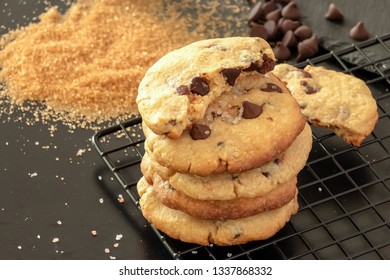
x=228 y=176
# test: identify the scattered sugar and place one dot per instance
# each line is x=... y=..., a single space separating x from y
x=83 y=67
x=88 y=62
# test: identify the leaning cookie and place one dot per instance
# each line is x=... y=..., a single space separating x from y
x=241 y=130
x=223 y=209
x=184 y=227
x=227 y=186
x=331 y=99
x=176 y=91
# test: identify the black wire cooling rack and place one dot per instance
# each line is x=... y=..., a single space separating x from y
x=344 y=191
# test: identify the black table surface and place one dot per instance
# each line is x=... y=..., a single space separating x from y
x=48 y=192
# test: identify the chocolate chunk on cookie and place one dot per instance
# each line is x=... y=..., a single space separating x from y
x=340 y=102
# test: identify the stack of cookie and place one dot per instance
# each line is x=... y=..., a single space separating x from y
x=225 y=140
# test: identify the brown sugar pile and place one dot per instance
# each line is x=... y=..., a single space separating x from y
x=88 y=61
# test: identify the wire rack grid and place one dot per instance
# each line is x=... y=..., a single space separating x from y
x=344 y=191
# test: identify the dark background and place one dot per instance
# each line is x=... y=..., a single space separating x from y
x=69 y=188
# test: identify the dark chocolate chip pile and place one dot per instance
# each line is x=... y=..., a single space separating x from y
x=278 y=23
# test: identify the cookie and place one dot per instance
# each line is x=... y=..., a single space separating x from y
x=242 y=129
x=184 y=227
x=333 y=100
x=227 y=186
x=177 y=90
x=223 y=209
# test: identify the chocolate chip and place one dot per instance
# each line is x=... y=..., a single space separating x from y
x=265 y=174
x=289 y=24
x=182 y=90
x=231 y=75
x=307 y=48
x=199 y=131
x=270 y=87
x=359 y=32
x=268 y=65
x=308 y=88
x=334 y=13
x=252 y=67
x=289 y=39
x=256 y=12
x=305 y=74
x=199 y=86
x=251 y=110
x=277 y=161
x=291 y=11
x=271 y=28
x=281 y=51
x=274 y=15
x=234 y=176
x=269 y=7
x=259 y=30
x=303 y=32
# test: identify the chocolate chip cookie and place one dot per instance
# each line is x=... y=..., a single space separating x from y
x=177 y=90
x=338 y=101
x=228 y=186
x=246 y=127
x=180 y=225
x=237 y=208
